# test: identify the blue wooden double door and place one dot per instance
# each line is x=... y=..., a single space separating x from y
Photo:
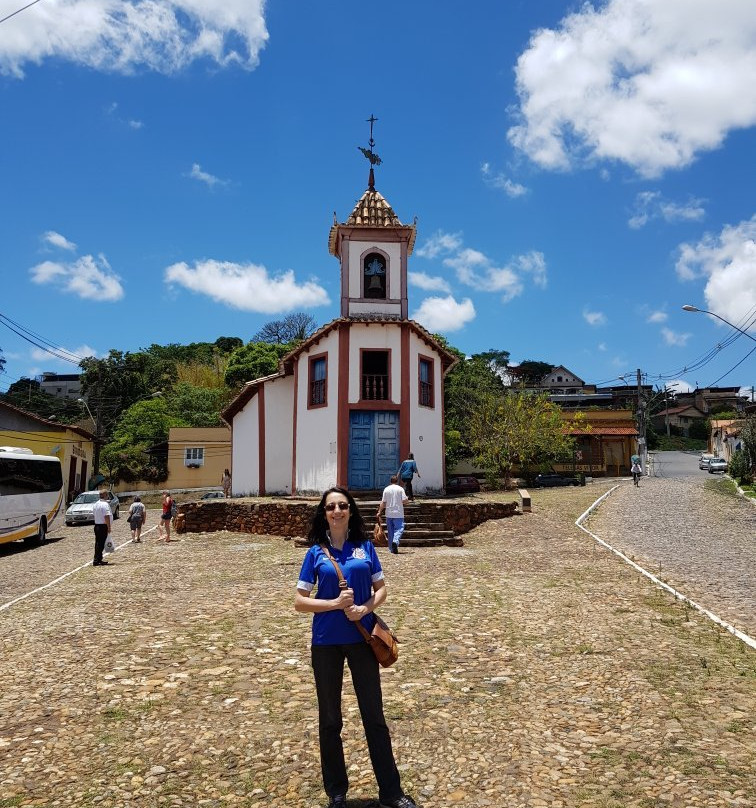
x=373 y=449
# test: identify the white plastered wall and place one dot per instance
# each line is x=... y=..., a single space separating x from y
x=279 y=428
x=426 y=424
x=385 y=337
x=317 y=428
x=245 y=449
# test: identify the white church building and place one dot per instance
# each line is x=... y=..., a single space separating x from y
x=350 y=402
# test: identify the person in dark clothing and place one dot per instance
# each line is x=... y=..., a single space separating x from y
x=406 y=472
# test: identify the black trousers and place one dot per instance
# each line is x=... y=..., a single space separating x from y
x=408 y=488
x=101 y=533
x=328 y=667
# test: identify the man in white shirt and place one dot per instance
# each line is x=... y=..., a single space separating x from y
x=393 y=501
x=103 y=520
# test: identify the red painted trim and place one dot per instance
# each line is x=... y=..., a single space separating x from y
x=312 y=360
x=404 y=401
x=403 y=281
x=374 y=405
x=432 y=376
x=342 y=428
x=261 y=437
x=294 y=429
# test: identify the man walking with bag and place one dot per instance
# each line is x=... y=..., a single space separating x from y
x=103 y=519
x=393 y=501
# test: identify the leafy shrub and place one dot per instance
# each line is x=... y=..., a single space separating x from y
x=740 y=468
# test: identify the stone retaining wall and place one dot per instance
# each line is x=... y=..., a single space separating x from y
x=292 y=519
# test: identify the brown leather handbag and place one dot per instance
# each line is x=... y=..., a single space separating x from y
x=382 y=640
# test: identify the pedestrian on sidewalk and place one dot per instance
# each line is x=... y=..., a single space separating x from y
x=338 y=531
x=393 y=499
x=168 y=512
x=103 y=520
x=636 y=470
x=137 y=517
x=406 y=472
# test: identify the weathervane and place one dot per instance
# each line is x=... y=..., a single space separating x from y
x=369 y=154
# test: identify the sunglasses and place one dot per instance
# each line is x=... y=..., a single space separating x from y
x=342 y=506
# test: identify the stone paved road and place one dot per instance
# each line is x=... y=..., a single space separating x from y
x=693 y=536
x=24 y=568
x=536 y=671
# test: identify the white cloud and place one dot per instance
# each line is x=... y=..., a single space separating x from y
x=649 y=84
x=727 y=261
x=198 y=174
x=502 y=182
x=428 y=282
x=83 y=351
x=675 y=338
x=121 y=36
x=680 y=386
x=476 y=269
x=88 y=277
x=651 y=205
x=444 y=314
x=657 y=316
x=112 y=111
x=440 y=243
x=56 y=240
x=594 y=318
x=247 y=286
x=602 y=346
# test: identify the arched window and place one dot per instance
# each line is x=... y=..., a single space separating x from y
x=374 y=276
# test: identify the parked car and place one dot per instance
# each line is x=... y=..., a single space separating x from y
x=462 y=485
x=717 y=464
x=81 y=510
x=703 y=461
x=553 y=480
x=213 y=495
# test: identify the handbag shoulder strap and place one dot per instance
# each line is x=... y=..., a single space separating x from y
x=344 y=585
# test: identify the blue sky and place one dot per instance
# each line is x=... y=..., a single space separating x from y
x=170 y=171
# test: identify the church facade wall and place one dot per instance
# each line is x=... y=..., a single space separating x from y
x=426 y=423
x=279 y=433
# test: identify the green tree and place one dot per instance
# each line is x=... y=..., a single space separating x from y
x=27 y=395
x=468 y=381
x=252 y=361
x=748 y=436
x=197 y=406
x=530 y=372
x=141 y=426
x=517 y=427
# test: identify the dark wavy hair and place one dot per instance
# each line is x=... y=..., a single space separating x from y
x=319 y=526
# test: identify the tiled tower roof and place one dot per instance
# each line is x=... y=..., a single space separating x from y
x=373 y=211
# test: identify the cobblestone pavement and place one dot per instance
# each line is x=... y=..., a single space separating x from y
x=693 y=536
x=536 y=670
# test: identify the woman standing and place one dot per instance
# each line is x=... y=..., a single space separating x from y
x=164 y=527
x=137 y=514
x=338 y=528
x=226 y=483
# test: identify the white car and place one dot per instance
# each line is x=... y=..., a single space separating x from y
x=703 y=461
x=81 y=510
x=717 y=464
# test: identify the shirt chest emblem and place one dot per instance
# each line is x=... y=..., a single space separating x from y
x=359 y=554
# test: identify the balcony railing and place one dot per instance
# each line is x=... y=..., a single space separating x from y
x=374 y=387
x=317 y=392
x=426 y=394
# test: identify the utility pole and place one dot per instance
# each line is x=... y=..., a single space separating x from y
x=666 y=409
x=641 y=415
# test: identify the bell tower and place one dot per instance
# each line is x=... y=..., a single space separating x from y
x=372 y=247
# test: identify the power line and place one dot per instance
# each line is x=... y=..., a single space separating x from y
x=734 y=366
x=40 y=342
x=28 y=5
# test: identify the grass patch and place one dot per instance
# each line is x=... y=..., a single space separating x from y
x=11 y=802
x=115 y=713
x=723 y=486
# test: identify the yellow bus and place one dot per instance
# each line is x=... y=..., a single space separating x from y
x=31 y=494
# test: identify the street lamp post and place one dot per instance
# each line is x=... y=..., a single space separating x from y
x=96 y=422
x=688 y=307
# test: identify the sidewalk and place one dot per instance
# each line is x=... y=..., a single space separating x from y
x=536 y=670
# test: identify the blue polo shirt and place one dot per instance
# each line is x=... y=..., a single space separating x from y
x=360 y=567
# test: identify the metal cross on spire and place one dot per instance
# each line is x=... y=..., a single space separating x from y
x=369 y=154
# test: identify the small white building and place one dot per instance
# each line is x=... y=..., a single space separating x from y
x=349 y=403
